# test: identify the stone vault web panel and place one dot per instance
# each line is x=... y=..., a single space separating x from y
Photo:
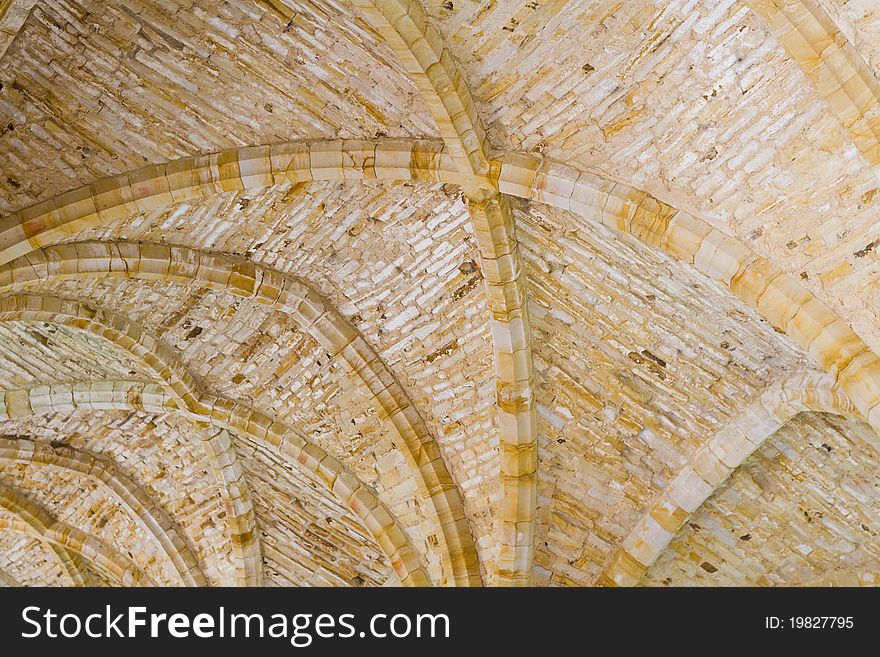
x=33 y=353
x=639 y=360
x=165 y=456
x=399 y=261
x=90 y=506
x=803 y=505
x=243 y=350
x=308 y=539
x=92 y=88
x=29 y=562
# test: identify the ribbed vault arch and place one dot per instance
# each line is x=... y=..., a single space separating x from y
x=316 y=316
x=444 y=90
x=159 y=359
x=294 y=162
x=32 y=519
x=229 y=416
x=714 y=462
x=421 y=51
x=777 y=296
x=464 y=158
x=150 y=516
x=834 y=66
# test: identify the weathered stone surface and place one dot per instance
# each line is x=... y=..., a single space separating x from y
x=383 y=292
x=799 y=507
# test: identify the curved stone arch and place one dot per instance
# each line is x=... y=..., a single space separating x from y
x=834 y=66
x=294 y=162
x=158 y=358
x=712 y=463
x=71 y=565
x=33 y=520
x=74 y=564
x=228 y=415
x=776 y=295
x=314 y=315
x=154 y=520
x=421 y=50
x=104 y=395
x=429 y=64
x=232 y=170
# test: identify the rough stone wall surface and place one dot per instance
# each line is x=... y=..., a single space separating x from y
x=165 y=456
x=92 y=88
x=800 y=507
x=408 y=350
x=308 y=539
x=34 y=352
x=400 y=263
x=91 y=507
x=226 y=340
x=696 y=103
x=639 y=361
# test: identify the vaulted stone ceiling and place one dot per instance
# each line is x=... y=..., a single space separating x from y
x=423 y=292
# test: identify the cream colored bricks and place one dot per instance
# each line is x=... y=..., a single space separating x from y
x=778 y=296
x=505 y=286
x=712 y=464
x=157 y=186
x=34 y=520
x=420 y=49
x=314 y=315
x=154 y=519
x=782 y=300
x=156 y=356
x=225 y=413
x=828 y=59
x=684 y=126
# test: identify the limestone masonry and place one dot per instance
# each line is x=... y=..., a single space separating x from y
x=439 y=292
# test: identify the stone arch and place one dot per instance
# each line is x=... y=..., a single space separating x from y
x=756 y=281
x=263 y=166
x=714 y=462
x=33 y=520
x=228 y=415
x=776 y=295
x=158 y=358
x=72 y=566
x=152 y=517
x=421 y=51
x=828 y=59
x=316 y=316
